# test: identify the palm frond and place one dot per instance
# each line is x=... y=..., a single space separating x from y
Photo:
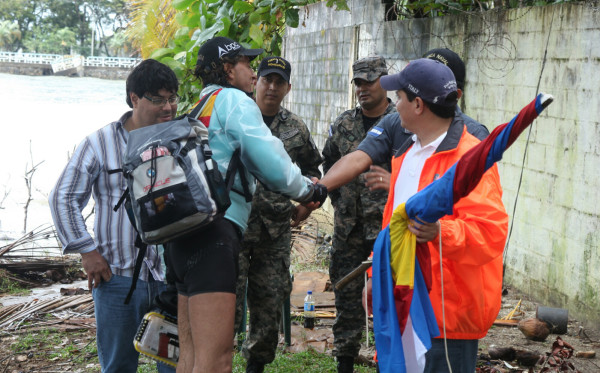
x=152 y=25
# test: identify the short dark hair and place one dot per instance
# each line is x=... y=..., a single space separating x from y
x=217 y=74
x=439 y=110
x=150 y=76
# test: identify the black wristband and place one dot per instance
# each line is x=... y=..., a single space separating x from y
x=319 y=193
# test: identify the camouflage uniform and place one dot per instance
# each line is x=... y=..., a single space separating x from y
x=358 y=216
x=265 y=257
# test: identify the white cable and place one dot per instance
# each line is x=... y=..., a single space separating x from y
x=366 y=309
x=443 y=305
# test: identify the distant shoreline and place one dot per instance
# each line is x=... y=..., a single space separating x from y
x=101 y=72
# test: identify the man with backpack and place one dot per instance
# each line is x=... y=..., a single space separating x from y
x=265 y=256
x=108 y=258
x=205 y=264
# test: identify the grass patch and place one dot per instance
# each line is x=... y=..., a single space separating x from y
x=54 y=345
x=308 y=361
x=25 y=343
x=10 y=286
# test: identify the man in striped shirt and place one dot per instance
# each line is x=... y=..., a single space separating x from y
x=108 y=257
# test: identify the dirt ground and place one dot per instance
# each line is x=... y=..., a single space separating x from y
x=577 y=336
x=58 y=340
x=582 y=339
x=49 y=353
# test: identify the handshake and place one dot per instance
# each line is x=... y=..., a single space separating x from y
x=311 y=203
x=377 y=178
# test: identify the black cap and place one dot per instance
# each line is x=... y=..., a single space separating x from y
x=450 y=59
x=277 y=65
x=212 y=51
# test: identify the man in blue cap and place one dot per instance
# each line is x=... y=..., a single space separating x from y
x=465 y=248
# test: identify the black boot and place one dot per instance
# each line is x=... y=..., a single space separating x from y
x=345 y=364
x=254 y=366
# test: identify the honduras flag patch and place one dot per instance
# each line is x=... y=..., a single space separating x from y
x=375 y=131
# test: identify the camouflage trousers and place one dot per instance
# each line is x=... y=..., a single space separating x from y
x=350 y=320
x=266 y=267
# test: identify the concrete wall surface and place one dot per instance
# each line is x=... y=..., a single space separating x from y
x=550 y=179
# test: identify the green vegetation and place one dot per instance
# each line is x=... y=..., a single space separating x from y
x=406 y=9
x=10 y=286
x=80 y=349
x=9 y=33
x=172 y=30
x=27 y=342
x=255 y=24
x=308 y=361
x=58 y=26
x=53 y=345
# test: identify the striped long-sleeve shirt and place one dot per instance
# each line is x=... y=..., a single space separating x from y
x=86 y=174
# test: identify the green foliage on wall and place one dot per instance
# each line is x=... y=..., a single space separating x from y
x=254 y=24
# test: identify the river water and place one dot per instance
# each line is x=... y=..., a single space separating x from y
x=43 y=119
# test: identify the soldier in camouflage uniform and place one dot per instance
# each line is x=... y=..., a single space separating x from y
x=265 y=257
x=358 y=211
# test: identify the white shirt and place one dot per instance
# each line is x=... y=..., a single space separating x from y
x=407 y=182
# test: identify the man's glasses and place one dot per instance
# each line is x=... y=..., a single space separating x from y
x=161 y=101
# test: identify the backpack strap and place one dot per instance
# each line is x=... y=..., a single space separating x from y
x=236 y=165
x=138 y=265
x=121 y=200
x=141 y=245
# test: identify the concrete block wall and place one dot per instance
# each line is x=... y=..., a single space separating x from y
x=320 y=58
x=553 y=248
x=553 y=252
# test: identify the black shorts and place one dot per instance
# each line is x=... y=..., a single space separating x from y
x=206 y=261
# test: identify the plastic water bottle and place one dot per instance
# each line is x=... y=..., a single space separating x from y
x=309 y=311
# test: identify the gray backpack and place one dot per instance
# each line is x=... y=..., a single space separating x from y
x=174 y=187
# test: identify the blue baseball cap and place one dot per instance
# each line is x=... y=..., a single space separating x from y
x=428 y=79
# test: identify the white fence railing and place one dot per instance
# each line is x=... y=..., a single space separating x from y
x=111 y=61
x=39 y=58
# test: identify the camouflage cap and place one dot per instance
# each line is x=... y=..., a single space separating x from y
x=369 y=68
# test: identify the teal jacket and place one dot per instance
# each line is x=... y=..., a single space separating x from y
x=236 y=122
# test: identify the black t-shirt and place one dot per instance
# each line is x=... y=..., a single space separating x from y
x=268 y=119
x=368 y=122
